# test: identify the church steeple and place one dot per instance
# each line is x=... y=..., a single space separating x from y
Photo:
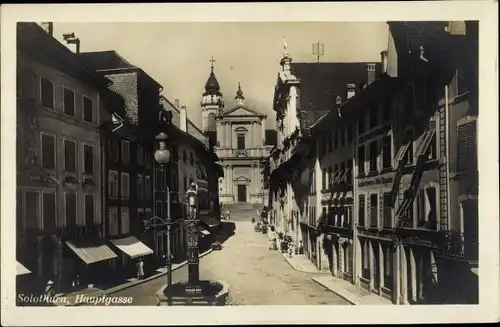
x=211 y=101
x=239 y=98
x=212 y=85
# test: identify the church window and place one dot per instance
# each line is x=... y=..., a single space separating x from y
x=211 y=122
x=241 y=141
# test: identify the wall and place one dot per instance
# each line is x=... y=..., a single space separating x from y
x=54 y=122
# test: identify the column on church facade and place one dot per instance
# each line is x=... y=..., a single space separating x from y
x=221 y=135
x=255 y=132
x=229 y=133
x=262 y=133
x=226 y=180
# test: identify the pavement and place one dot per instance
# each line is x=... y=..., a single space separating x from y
x=255 y=274
x=349 y=292
x=70 y=298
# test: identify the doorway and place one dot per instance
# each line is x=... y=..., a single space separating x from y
x=242 y=193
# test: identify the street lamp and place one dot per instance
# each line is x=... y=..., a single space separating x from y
x=162 y=157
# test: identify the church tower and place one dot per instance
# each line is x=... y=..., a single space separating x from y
x=211 y=102
x=239 y=99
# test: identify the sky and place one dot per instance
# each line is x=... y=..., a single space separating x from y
x=177 y=55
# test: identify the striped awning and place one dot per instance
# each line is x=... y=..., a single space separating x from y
x=21 y=270
x=132 y=247
x=91 y=252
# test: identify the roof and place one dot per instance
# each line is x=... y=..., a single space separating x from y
x=212 y=86
x=271 y=137
x=107 y=61
x=102 y=60
x=33 y=41
x=321 y=83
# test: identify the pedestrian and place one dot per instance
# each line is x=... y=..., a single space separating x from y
x=253 y=220
x=49 y=288
x=270 y=244
x=140 y=269
x=290 y=249
x=275 y=244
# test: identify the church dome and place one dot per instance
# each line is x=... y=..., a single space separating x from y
x=239 y=93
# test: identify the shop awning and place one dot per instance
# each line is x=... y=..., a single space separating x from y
x=21 y=270
x=209 y=221
x=91 y=252
x=475 y=271
x=203 y=230
x=132 y=247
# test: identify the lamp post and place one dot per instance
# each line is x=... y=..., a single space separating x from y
x=162 y=157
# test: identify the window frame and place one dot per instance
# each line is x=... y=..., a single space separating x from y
x=65 y=168
x=140 y=186
x=122 y=210
x=373 y=162
x=239 y=137
x=125 y=159
x=84 y=97
x=65 y=88
x=91 y=145
x=122 y=184
x=117 y=181
x=54 y=137
x=41 y=80
x=377 y=210
x=361 y=161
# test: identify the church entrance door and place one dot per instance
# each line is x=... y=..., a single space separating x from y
x=242 y=193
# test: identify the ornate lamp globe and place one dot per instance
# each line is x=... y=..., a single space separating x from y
x=162 y=155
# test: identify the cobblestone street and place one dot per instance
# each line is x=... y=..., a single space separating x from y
x=256 y=275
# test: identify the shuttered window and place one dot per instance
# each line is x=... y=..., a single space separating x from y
x=467 y=146
x=461 y=83
x=361 y=213
x=387 y=210
x=374 y=210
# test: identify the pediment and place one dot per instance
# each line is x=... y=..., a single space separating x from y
x=242 y=111
x=242 y=179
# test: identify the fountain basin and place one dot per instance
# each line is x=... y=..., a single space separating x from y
x=204 y=293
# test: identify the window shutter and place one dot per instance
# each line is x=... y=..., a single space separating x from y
x=467 y=146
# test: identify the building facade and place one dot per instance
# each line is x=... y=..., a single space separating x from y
x=412 y=237
x=311 y=168
x=239 y=137
x=132 y=177
x=59 y=160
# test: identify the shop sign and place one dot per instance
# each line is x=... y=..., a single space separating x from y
x=379 y=180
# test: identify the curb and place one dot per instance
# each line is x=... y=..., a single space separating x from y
x=138 y=282
x=333 y=291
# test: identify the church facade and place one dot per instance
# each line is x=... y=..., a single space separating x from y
x=240 y=140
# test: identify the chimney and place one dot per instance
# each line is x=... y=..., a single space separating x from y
x=72 y=42
x=351 y=90
x=48 y=27
x=177 y=103
x=383 y=56
x=371 y=73
x=183 y=119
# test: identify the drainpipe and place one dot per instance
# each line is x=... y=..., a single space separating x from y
x=447 y=143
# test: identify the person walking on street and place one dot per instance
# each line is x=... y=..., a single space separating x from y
x=270 y=244
x=140 y=269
